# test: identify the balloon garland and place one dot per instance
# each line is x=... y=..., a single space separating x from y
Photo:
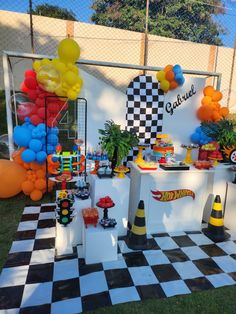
x=211 y=109
x=171 y=77
x=59 y=81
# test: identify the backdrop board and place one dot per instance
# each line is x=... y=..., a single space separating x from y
x=179 y=114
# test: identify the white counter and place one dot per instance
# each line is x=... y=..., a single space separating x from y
x=181 y=214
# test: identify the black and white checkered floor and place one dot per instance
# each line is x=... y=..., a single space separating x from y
x=33 y=280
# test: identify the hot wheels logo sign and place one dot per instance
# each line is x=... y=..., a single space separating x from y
x=167 y=196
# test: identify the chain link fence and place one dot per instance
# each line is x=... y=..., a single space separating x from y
x=101 y=43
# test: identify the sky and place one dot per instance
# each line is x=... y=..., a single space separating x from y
x=83 y=13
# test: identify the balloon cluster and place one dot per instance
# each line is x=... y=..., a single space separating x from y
x=34 y=108
x=35 y=183
x=33 y=140
x=170 y=78
x=61 y=76
x=199 y=137
x=211 y=109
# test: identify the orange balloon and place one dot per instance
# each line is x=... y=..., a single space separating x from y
x=36 y=195
x=35 y=166
x=26 y=165
x=40 y=184
x=173 y=84
x=215 y=105
x=170 y=75
x=206 y=100
x=208 y=91
x=224 y=111
x=168 y=67
x=216 y=116
x=217 y=96
x=40 y=174
x=16 y=156
x=204 y=113
x=12 y=175
x=27 y=187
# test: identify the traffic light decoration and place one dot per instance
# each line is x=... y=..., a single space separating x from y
x=64 y=211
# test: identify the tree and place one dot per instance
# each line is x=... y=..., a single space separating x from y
x=54 y=11
x=185 y=19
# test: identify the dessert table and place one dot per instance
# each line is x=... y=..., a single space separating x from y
x=176 y=200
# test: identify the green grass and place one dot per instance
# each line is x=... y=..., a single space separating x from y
x=10 y=213
x=222 y=300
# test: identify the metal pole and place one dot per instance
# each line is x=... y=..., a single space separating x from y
x=146 y=35
x=231 y=73
x=31 y=25
x=8 y=101
x=108 y=64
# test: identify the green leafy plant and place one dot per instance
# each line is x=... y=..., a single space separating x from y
x=117 y=142
x=222 y=131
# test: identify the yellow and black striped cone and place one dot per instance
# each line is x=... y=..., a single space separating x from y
x=216 y=230
x=137 y=237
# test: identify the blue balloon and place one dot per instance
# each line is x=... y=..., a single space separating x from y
x=50 y=149
x=42 y=127
x=35 y=145
x=52 y=139
x=41 y=157
x=54 y=130
x=177 y=69
x=28 y=155
x=21 y=136
x=195 y=138
x=179 y=78
x=198 y=129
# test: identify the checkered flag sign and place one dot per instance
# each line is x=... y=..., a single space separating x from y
x=145 y=102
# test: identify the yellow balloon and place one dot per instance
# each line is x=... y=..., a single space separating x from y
x=71 y=94
x=45 y=62
x=36 y=65
x=68 y=50
x=70 y=78
x=165 y=85
x=160 y=76
x=59 y=66
x=49 y=77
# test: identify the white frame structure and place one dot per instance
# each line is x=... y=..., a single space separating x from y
x=11 y=54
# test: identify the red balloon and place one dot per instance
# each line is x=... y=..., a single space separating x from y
x=40 y=102
x=51 y=122
x=23 y=88
x=29 y=73
x=53 y=107
x=35 y=120
x=41 y=113
x=30 y=82
x=32 y=94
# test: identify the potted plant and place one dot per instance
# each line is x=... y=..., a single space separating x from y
x=224 y=134
x=117 y=142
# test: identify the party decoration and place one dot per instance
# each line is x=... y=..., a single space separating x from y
x=210 y=109
x=32 y=139
x=12 y=176
x=170 y=78
x=199 y=137
x=59 y=76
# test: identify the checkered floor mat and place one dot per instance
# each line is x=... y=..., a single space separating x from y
x=34 y=281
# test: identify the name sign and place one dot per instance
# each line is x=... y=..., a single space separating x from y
x=170 y=107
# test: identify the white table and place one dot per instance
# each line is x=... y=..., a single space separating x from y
x=118 y=190
x=181 y=214
x=230 y=207
x=99 y=244
x=71 y=235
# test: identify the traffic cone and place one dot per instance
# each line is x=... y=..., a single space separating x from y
x=216 y=230
x=137 y=239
